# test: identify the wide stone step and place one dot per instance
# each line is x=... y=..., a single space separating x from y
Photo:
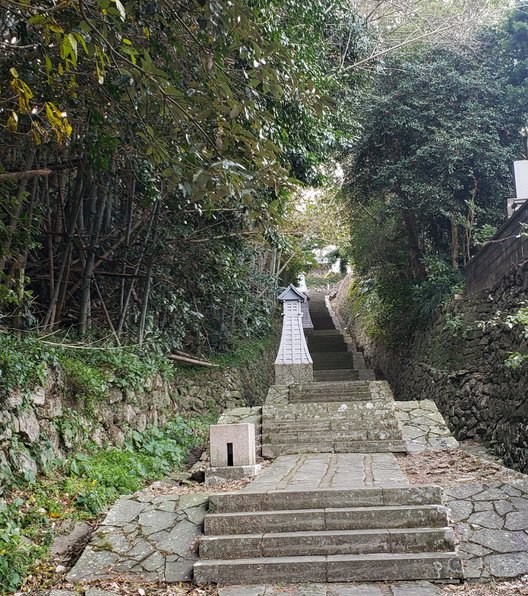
x=377 y=420
x=332 y=360
x=333 y=542
x=326 y=332
x=322 y=398
x=336 y=375
x=276 y=500
x=370 y=420
x=286 y=438
x=332 y=568
x=328 y=348
x=272 y=450
x=329 y=409
x=342 y=518
x=330 y=425
x=334 y=386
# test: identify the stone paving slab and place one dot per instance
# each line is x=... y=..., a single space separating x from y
x=329 y=470
x=153 y=538
x=417 y=588
x=423 y=426
x=492 y=523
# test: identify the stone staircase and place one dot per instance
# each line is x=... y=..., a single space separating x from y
x=329 y=535
x=334 y=505
x=334 y=355
x=341 y=417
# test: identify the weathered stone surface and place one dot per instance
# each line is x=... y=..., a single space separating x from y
x=97 y=592
x=486 y=519
x=27 y=424
x=62 y=544
x=510 y=565
x=153 y=536
x=460 y=510
x=501 y=541
x=124 y=511
x=92 y=565
x=415 y=589
x=517 y=520
x=423 y=426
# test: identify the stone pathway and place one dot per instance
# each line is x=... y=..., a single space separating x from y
x=329 y=470
x=423 y=426
x=492 y=523
x=153 y=538
x=417 y=588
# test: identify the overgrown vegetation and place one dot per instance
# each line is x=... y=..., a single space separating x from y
x=88 y=371
x=82 y=486
x=429 y=178
x=148 y=152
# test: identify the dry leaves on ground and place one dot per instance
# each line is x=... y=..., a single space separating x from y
x=518 y=587
x=452 y=467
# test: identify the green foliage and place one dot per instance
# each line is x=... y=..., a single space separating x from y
x=180 y=129
x=17 y=553
x=87 y=372
x=437 y=288
x=322 y=281
x=518 y=321
x=455 y=325
x=23 y=362
x=84 y=486
x=428 y=180
x=250 y=350
x=84 y=382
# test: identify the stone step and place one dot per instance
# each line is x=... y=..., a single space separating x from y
x=332 y=568
x=332 y=360
x=331 y=409
x=330 y=425
x=367 y=374
x=350 y=432
x=333 y=542
x=326 y=333
x=273 y=450
x=323 y=398
x=276 y=500
x=377 y=420
x=343 y=518
x=368 y=420
x=336 y=375
x=308 y=437
x=334 y=386
x=325 y=348
x=346 y=415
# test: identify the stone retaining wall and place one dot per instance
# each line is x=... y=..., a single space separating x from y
x=460 y=364
x=40 y=425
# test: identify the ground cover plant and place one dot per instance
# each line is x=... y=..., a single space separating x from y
x=83 y=486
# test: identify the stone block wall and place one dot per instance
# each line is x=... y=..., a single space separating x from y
x=460 y=364
x=40 y=425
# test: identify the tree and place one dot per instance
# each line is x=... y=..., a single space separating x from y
x=433 y=164
x=148 y=145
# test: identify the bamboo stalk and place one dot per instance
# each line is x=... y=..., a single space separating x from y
x=192 y=360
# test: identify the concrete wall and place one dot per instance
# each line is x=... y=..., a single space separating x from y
x=459 y=364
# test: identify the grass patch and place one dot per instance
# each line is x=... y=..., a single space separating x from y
x=88 y=372
x=247 y=351
x=85 y=485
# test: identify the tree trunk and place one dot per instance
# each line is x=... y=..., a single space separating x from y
x=416 y=254
x=454 y=242
x=148 y=276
